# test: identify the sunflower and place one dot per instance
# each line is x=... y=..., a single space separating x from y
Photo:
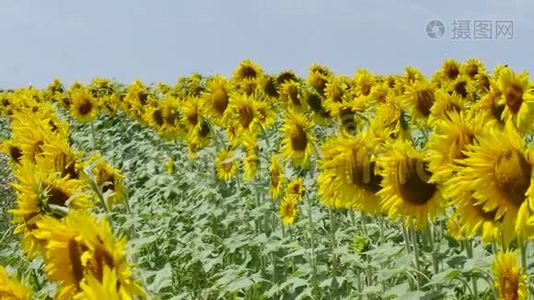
x=450 y=69
x=407 y=193
x=251 y=160
x=389 y=119
x=217 y=97
x=517 y=95
x=291 y=93
x=296 y=187
x=80 y=247
x=288 y=209
x=40 y=193
x=276 y=175
x=247 y=69
x=317 y=78
x=471 y=219
x=449 y=141
x=297 y=141
x=348 y=175
x=444 y=105
x=109 y=181
x=12 y=289
x=335 y=91
x=363 y=82
x=242 y=113
x=84 y=106
x=226 y=165
x=498 y=169
x=418 y=100
x=472 y=68
x=510 y=281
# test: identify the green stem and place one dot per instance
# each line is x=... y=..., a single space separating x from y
x=523 y=249
x=333 y=240
x=469 y=251
x=406 y=239
x=415 y=241
x=312 y=239
x=93 y=136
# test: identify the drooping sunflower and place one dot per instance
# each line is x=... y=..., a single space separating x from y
x=318 y=77
x=288 y=209
x=108 y=287
x=297 y=143
x=12 y=289
x=498 y=169
x=11 y=149
x=348 y=175
x=510 y=281
x=84 y=106
x=518 y=99
x=407 y=192
x=80 y=246
x=276 y=176
x=226 y=165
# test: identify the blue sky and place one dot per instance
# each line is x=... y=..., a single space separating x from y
x=161 y=40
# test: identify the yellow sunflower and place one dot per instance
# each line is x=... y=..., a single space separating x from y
x=297 y=144
x=78 y=247
x=510 y=281
x=450 y=140
x=518 y=97
x=41 y=193
x=84 y=106
x=296 y=187
x=288 y=209
x=247 y=69
x=444 y=105
x=251 y=160
x=108 y=288
x=498 y=169
x=407 y=193
x=226 y=165
x=217 y=98
x=276 y=175
x=348 y=175
x=363 y=82
x=418 y=100
x=12 y=289
x=109 y=181
x=291 y=93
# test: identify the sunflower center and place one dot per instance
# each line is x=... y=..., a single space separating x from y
x=461 y=88
x=85 y=107
x=514 y=97
x=496 y=111
x=158 y=117
x=299 y=139
x=424 y=101
x=246 y=115
x=509 y=284
x=15 y=153
x=96 y=265
x=364 y=175
x=512 y=174
x=56 y=196
x=275 y=177
x=248 y=72
x=451 y=71
x=413 y=182
x=75 y=260
x=314 y=101
x=193 y=118
x=227 y=166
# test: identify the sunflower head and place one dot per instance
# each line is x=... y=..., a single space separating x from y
x=288 y=209
x=276 y=177
x=510 y=280
x=297 y=142
x=247 y=69
x=518 y=99
x=226 y=165
x=84 y=105
x=419 y=100
x=11 y=288
x=296 y=187
x=408 y=192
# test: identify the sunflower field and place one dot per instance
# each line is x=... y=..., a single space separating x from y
x=271 y=186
